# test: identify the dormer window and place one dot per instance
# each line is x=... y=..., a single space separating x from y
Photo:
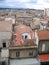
x=25 y=36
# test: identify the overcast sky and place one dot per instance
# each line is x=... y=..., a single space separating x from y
x=32 y=4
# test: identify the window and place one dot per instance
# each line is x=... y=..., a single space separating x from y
x=43 y=47
x=3 y=63
x=25 y=36
x=4 y=44
x=30 y=53
x=0 y=63
x=17 y=54
x=0 y=49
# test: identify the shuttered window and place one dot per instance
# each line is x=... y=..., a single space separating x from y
x=17 y=54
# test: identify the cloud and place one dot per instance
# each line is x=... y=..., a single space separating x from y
x=36 y=4
x=40 y=4
x=14 y=3
x=47 y=1
x=43 y=3
x=20 y=1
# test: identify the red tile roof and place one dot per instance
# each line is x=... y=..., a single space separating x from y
x=29 y=42
x=43 y=35
x=18 y=40
x=22 y=28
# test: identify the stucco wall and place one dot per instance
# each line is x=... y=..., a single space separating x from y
x=5 y=35
x=23 y=53
x=4 y=53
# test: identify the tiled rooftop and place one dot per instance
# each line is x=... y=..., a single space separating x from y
x=22 y=28
x=43 y=35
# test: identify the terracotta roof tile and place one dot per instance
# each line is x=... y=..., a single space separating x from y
x=19 y=41
x=22 y=28
x=43 y=35
x=29 y=42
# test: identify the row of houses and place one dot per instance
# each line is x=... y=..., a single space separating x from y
x=34 y=24
x=23 y=40
x=22 y=45
x=24 y=16
x=13 y=46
